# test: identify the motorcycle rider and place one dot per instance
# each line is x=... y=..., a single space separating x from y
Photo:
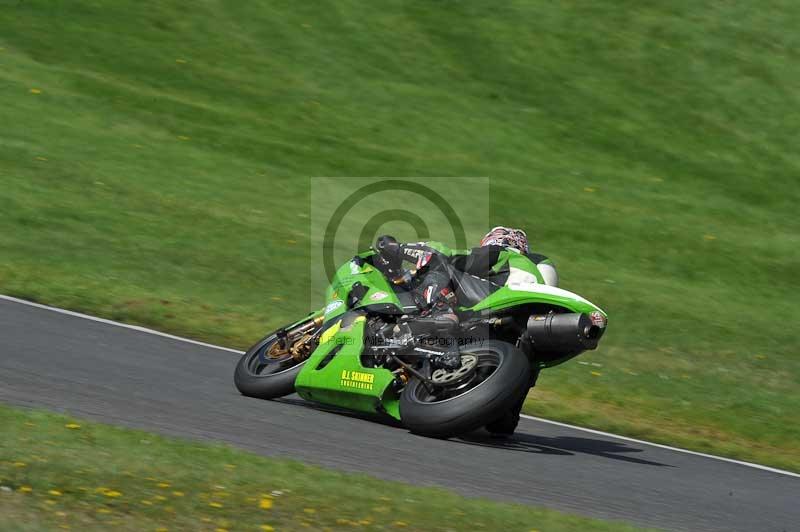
x=429 y=281
x=434 y=292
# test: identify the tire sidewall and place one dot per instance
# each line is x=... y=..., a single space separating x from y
x=264 y=386
x=477 y=407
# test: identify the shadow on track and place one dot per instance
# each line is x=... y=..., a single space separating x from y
x=520 y=442
x=560 y=445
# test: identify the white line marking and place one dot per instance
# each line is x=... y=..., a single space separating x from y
x=532 y=418
x=116 y=323
x=676 y=449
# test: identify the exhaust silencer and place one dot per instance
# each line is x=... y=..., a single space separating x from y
x=565 y=334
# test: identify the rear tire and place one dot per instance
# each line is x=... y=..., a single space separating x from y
x=271 y=385
x=507 y=423
x=501 y=391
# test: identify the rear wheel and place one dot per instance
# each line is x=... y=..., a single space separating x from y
x=496 y=379
x=269 y=368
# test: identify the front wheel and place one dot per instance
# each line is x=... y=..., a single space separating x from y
x=496 y=379
x=268 y=369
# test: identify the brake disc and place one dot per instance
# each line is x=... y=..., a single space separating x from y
x=444 y=377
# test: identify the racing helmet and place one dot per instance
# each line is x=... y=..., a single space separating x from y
x=506 y=237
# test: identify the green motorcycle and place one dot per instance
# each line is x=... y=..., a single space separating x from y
x=363 y=351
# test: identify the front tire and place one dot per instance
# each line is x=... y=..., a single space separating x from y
x=264 y=377
x=505 y=378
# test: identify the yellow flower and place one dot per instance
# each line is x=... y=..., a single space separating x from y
x=183 y=137
x=160 y=498
x=215 y=505
x=230 y=466
x=400 y=523
x=25 y=489
x=71 y=426
x=35 y=91
x=596 y=373
x=221 y=530
x=309 y=510
x=589 y=189
x=266 y=528
x=103 y=511
x=162 y=529
x=112 y=493
x=20 y=464
x=163 y=484
x=178 y=493
x=265 y=504
x=147 y=503
x=709 y=237
x=54 y=493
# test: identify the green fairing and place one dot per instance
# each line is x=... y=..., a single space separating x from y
x=343 y=381
x=507 y=297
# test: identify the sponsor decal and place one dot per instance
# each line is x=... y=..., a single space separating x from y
x=598 y=319
x=357 y=379
x=414 y=253
x=377 y=296
x=333 y=305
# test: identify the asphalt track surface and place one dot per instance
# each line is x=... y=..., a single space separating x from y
x=131 y=378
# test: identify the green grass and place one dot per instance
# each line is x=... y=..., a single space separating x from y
x=59 y=473
x=159 y=175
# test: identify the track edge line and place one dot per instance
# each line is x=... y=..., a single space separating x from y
x=105 y=321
